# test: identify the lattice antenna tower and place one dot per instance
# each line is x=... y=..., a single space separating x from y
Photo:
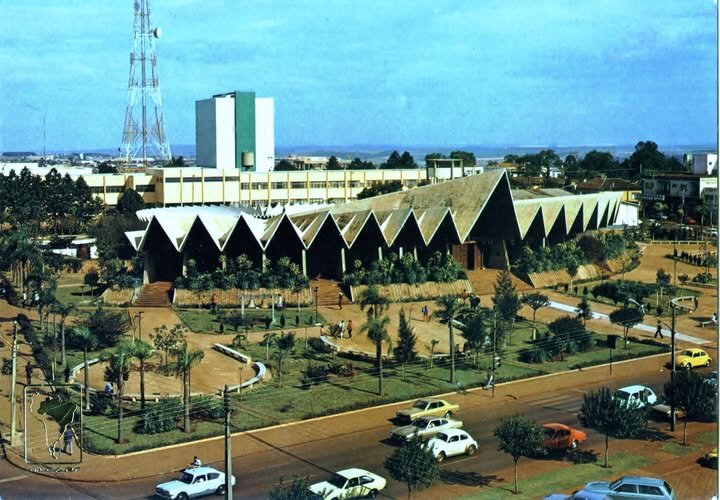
x=144 y=131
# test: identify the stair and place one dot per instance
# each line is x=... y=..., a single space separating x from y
x=483 y=281
x=328 y=291
x=155 y=295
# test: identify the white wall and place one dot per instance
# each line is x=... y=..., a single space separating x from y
x=205 y=145
x=264 y=134
x=225 y=133
x=704 y=163
x=627 y=214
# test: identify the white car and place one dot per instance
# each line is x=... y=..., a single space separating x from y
x=194 y=482
x=452 y=442
x=424 y=427
x=349 y=483
x=636 y=396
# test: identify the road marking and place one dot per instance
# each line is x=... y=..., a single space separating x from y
x=14 y=478
x=553 y=399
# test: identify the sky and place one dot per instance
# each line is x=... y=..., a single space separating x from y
x=400 y=72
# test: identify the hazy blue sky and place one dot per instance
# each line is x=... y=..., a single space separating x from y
x=402 y=72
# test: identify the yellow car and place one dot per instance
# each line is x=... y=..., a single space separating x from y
x=711 y=459
x=690 y=358
x=427 y=408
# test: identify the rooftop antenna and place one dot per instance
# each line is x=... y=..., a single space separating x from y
x=144 y=131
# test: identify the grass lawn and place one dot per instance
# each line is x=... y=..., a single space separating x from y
x=678 y=449
x=707 y=438
x=205 y=321
x=533 y=487
x=72 y=290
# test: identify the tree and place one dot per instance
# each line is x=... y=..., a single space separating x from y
x=333 y=164
x=64 y=310
x=584 y=310
x=129 y=202
x=404 y=351
x=108 y=326
x=570 y=335
x=506 y=299
x=91 y=279
x=413 y=464
x=142 y=351
x=520 y=437
x=449 y=308
x=358 y=164
x=687 y=391
x=627 y=317
x=535 y=301
x=572 y=270
x=476 y=335
x=298 y=489
x=87 y=341
x=611 y=416
x=378 y=189
x=467 y=157
x=185 y=360
x=598 y=162
x=106 y=168
x=118 y=371
x=376 y=329
x=285 y=346
x=165 y=339
x=284 y=166
x=393 y=161
x=662 y=279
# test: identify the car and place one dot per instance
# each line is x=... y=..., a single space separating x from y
x=711 y=459
x=349 y=483
x=450 y=443
x=633 y=487
x=637 y=396
x=424 y=427
x=427 y=408
x=712 y=379
x=562 y=437
x=194 y=482
x=690 y=358
x=578 y=495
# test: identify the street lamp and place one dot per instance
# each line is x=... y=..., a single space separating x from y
x=317 y=288
x=139 y=317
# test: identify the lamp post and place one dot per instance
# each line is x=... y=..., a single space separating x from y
x=139 y=317
x=317 y=288
x=13 y=416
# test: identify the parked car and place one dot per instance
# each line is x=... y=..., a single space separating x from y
x=712 y=379
x=349 y=483
x=194 y=482
x=633 y=487
x=690 y=358
x=562 y=437
x=427 y=407
x=578 y=495
x=452 y=442
x=424 y=427
x=711 y=459
x=637 y=396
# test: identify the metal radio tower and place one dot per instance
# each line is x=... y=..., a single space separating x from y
x=144 y=132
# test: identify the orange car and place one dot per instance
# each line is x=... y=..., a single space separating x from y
x=562 y=437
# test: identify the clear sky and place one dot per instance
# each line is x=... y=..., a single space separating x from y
x=398 y=72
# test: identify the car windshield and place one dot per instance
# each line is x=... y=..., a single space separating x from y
x=337 y=481
x=421 y=424
x=622 y=395
x=548 y=432
x=613 y=486
x=186 y=478
x=420 y=405
x=668 y=488
x=686 y=353
x=442 y=436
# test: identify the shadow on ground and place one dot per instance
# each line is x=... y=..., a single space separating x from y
x=466 y=478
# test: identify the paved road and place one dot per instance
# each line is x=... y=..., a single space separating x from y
x=317 y=450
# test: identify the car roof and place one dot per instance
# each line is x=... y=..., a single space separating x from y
x=633 y=388
x=200 y=470
x=694 y=349
x=431 y=400
x=643 y=480
x=454 y=432
x=354 y=472
x=426 y=417
x=556 y=426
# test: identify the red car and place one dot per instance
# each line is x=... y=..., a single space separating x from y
x=562 y=437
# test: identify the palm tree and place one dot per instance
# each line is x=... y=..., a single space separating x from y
x=142 y=351
x=449 y=310
x=87 y=341
x=184 y=362
x=64 y=310
x=376 y=302
x=376 y=329
x=118 y=371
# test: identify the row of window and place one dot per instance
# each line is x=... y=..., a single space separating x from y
x=142 y=188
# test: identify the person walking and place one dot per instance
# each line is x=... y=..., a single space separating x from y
x=489 y=382
x=29 y=373
x=658 y=331
x=349 y=328
x=340 y=297
x=24 y=299
x=68 y=440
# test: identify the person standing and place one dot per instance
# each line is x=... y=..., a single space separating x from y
x=68 y=440
x=29 y=373
x=658 y=331
x=342 y=328
x=24 y=299
x=340 y=297
x=214 y=301
x=349 y=328
x=489 y=382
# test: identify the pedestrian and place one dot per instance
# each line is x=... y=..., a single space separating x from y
x=196 y=462
x=489 y=380
x=29 y=373
x=24 y=299
x=214 y=301
x=280 y=301
x=36 y=298
x=714 y=318
x=108 y=389
x=340 y=297
x=424 y=312
x=342 y=328
x=68 y=440
x=349 y=328
x=658 y=331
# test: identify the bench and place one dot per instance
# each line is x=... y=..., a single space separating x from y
x=707 y=322
x=232 y=353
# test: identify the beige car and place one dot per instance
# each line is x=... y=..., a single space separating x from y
x=427 y=408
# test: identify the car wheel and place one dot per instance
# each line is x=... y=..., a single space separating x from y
x=448 y=414
x=372 y=494
x=686 y=366
x=574 y=445
x=183 y=496
x=707 y=363
x=441 y=456
x=471 y=449
x=220 y=490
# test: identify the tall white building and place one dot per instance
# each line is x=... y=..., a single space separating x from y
x=235 y=130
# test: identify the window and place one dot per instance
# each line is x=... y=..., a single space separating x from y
x=337 y=184
x=259 y=185
x=298 y=185
x=96 y=190
x=199 y=479
x=213 y=475
x=353 y=482
x=172 y=180
x=145 y=188
x=213 y=179
x=232 y=179
x=114 y=189
x=453 y=439
x=626 y=488
x=279 y=185
x=317 y=184
x=244 y=185
x=462 y=437
x=650 y=490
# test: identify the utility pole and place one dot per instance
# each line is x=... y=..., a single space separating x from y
x=13 y=402
x=672 y=365
x=228 y=455
x=494 y=350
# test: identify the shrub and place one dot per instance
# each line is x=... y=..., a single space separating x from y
x=207 y=407
x=318 y=345
x=7 y=366
x=315 y=373
x=536 y=354
x=100 y=404
x=161 y=417
x=342 y=369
